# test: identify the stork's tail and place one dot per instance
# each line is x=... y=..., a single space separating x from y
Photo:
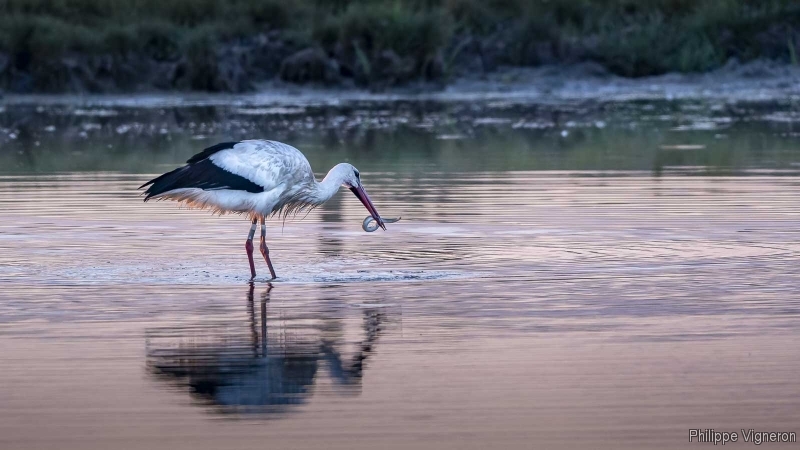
x=163 y=183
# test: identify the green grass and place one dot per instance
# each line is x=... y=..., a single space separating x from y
x=56 y=26
x=362 y=32
x=630 y=37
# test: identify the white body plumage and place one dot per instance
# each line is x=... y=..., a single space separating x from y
x=281 y=172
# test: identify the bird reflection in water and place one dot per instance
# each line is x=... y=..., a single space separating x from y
x=260 y=370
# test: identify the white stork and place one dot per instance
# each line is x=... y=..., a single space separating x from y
x=258 y=178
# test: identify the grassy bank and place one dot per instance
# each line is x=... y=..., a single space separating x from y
x=429 y=39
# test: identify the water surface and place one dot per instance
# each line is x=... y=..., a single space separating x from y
x=593 y=276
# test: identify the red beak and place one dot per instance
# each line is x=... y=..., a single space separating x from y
x=362 y=195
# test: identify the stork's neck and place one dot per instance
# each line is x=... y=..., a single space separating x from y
x=330 y=185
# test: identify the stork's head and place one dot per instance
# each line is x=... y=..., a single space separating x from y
x=351 y=179
x=349 y=175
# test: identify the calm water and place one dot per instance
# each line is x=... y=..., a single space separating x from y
x=595 y=276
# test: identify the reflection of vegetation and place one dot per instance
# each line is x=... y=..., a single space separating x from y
x=630 y=37
x=134 y=141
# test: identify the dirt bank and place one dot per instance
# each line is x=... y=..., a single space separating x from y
x=759 y=81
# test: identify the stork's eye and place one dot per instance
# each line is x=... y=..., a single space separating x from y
x=356 y=172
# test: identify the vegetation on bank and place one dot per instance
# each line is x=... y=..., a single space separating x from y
x=374 y=42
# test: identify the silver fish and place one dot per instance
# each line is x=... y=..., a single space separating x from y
x=370 y=224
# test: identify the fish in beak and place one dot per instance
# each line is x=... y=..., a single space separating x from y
x=362 y=195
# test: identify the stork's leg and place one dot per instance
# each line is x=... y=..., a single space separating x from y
x=264 y=249
x=249 y=247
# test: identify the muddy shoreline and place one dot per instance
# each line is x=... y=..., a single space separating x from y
x=759 y=82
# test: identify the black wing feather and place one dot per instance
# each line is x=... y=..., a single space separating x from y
x=202 y=175
x=210 y=151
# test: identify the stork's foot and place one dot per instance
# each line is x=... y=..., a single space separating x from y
x=265 y=254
